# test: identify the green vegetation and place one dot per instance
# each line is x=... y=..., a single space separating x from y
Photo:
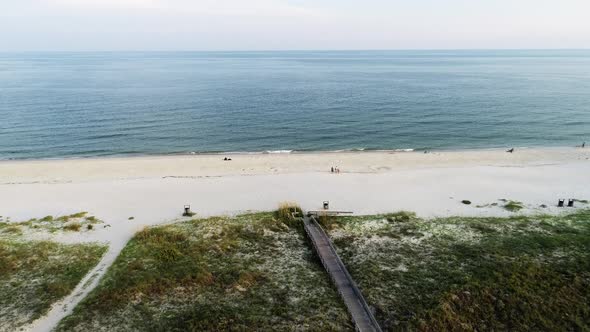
x=466 y=202
x=287 y=213
x=74 y=226
x=523 y=273
x=513 y=206
x=34 y=275
x=244 y=273
x=73 y=222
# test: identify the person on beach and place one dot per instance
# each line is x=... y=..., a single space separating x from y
x=332 y=169
x=583 y=145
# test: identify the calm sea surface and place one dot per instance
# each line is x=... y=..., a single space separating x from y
x=62 y=105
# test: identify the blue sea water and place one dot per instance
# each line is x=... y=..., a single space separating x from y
x=62 y=105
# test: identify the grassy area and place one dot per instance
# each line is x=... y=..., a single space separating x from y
x=250 y=272
x=74 y=223
x=34 y=275
x=471 y=274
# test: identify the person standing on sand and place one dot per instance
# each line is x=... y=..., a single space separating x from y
x=332 y=169
x=583 y=145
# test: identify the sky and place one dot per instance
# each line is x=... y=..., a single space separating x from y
x=224 y=25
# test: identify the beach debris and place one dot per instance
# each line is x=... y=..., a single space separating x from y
x=560 y=202
x=466 y=202
x=543 y=206
x=130 y=218
x=510 y=150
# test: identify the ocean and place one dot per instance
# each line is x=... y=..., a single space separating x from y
x=73 y=105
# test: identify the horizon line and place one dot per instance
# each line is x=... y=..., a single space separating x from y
x=296 y=50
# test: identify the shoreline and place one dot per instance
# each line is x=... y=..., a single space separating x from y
x=285 y=151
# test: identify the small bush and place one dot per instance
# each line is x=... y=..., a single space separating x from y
x=63 y=218
x=75 y=227
x=78 y=215
x=286 y=211
x=130 y=218
x=89 y=226
x=47 y=218
x=466 y=202
x=513 y=206
x=93 y=220
x=13 y=229
x=401 y=216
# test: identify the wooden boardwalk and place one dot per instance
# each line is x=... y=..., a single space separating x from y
x=350 y=293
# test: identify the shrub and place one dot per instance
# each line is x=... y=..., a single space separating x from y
x=13 y=229
x=513 y=206
x=286 y=211
x=401 y=216
x=75 y=227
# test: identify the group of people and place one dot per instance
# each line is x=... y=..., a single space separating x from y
x=335 y=170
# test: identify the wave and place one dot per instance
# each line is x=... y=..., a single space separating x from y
x=277 y=151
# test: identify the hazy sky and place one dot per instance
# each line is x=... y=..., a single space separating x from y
x=292 y=24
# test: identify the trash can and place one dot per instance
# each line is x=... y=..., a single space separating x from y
x=187 y=210
x=326 y=205
x=570 y=203
x=560 y=202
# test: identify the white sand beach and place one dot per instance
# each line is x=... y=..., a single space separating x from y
x=154 y=190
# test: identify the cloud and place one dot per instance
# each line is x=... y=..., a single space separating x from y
x=275 y=8
x=107 y=4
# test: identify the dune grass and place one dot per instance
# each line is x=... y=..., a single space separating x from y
x=74 y=222
x=471 y=274
x=244 y=273
x=34 y=275
x=513 y=206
